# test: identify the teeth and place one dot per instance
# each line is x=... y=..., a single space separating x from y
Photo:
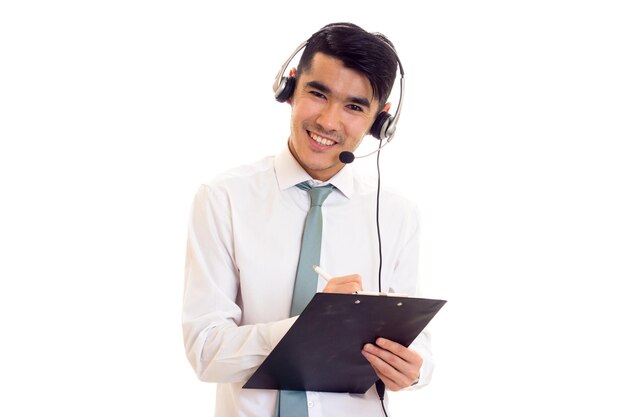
x=321 y=140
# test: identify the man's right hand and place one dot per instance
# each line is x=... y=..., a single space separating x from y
x=347 y=284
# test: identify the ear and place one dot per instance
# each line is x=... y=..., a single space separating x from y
x=387 y=107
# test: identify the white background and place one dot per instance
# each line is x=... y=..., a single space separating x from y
x=511 y=142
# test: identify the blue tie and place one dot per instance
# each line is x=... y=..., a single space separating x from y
x=294 y=403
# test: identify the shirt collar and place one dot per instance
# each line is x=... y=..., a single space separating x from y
x=289 y=173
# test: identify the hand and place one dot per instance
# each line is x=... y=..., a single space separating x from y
x=347 y=284
x=397 y=366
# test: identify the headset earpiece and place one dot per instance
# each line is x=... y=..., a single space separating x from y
x=285 y=89
x=380 y=126
x=285 y=86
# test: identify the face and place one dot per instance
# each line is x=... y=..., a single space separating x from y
x=332 y=110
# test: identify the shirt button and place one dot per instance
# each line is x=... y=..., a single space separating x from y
x=310 y=404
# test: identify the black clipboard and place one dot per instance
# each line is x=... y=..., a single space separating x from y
x=322 y=349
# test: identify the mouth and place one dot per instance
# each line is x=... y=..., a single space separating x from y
x=321 y=140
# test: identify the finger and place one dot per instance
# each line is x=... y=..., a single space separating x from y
x=392 y=379
x=395 y=364
x=409 y=355
x=346 y=285
x=344 y=288
x=395 y=361
x=387 y=363
x=347 y=278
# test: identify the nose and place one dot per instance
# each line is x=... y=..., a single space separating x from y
x=330 y=117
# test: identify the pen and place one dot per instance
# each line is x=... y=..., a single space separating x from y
x=322 y=273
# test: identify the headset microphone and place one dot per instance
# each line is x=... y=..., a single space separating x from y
x=348 y=157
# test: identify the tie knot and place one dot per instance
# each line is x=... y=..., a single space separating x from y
x=317 y=194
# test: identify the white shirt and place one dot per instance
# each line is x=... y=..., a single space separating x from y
x=242 y=255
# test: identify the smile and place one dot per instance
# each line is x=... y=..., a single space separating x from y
x=321 y=140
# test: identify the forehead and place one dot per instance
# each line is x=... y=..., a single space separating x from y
x=341 y=80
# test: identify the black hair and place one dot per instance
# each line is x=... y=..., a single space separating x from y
x=369 y=53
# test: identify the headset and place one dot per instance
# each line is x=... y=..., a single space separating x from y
x=384 y=126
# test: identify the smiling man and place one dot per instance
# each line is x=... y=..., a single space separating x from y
x=242 y=272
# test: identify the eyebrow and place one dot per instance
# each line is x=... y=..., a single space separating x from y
x=324 y=89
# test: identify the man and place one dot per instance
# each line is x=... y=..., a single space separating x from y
x=246 y=229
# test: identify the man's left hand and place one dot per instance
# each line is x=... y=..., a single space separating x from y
x=397 y=366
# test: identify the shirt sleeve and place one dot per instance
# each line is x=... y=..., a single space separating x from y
x=217 y=346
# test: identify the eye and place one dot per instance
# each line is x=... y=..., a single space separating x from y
x=317 y=94
x=355 y=107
